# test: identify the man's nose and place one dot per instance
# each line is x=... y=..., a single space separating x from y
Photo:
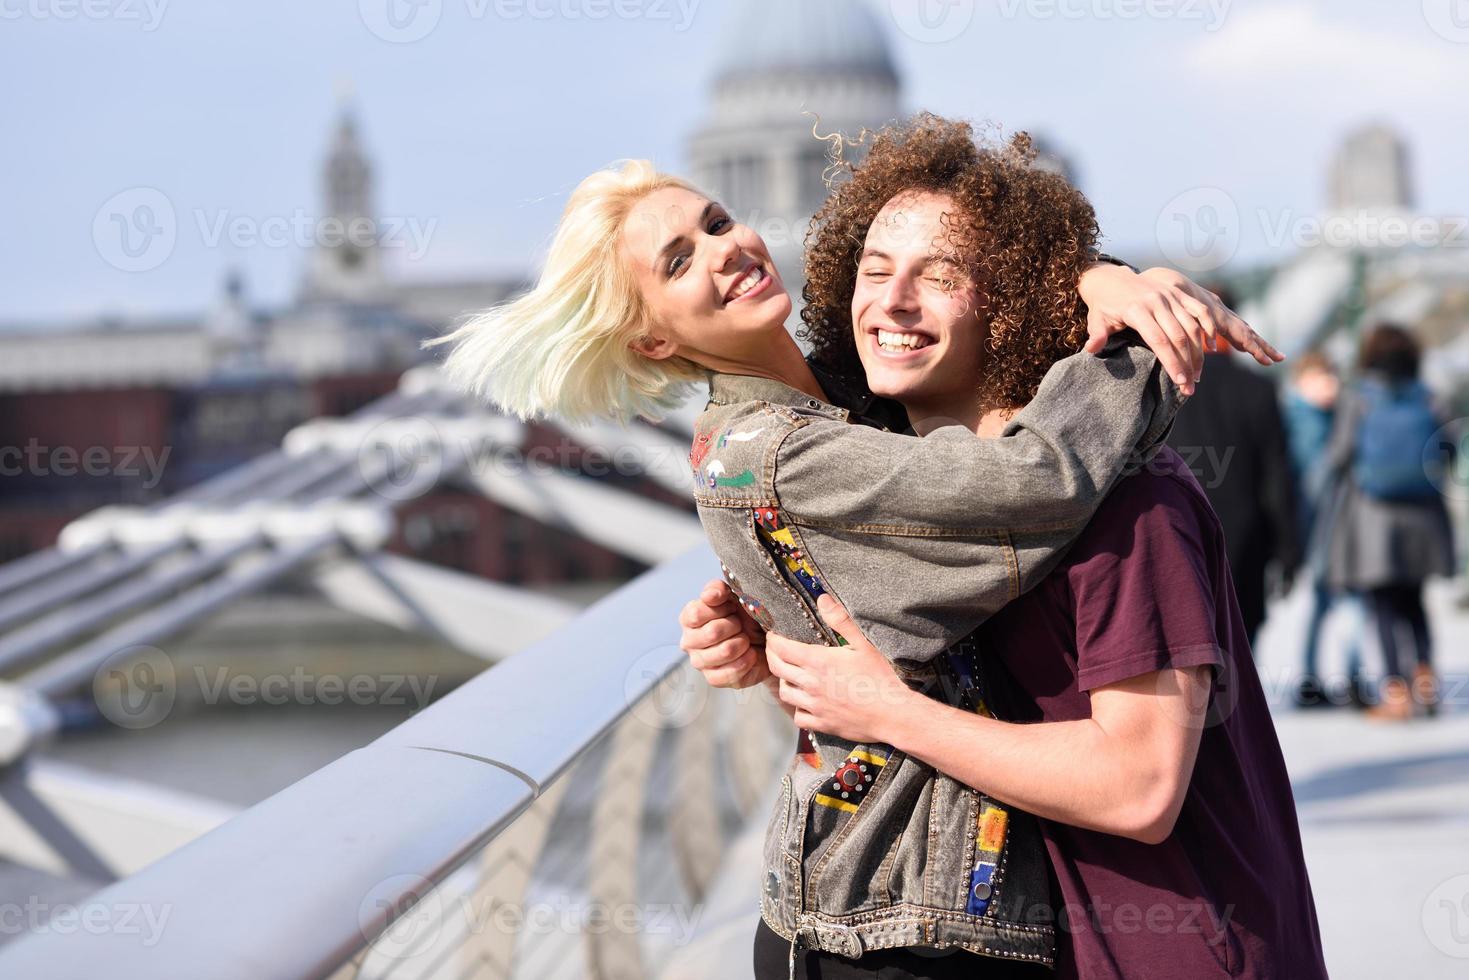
x=900 y=295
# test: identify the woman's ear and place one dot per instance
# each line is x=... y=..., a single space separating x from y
x=653 y=347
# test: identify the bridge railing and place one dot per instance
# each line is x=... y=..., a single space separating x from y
x=596 y=752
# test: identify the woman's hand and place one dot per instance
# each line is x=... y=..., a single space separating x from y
x=1175 y=316
x=722 y=641
x=851 y=692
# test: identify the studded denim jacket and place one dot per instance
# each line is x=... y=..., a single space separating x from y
x=921 y=539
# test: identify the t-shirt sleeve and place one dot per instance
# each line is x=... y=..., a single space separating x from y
x=1145 y=597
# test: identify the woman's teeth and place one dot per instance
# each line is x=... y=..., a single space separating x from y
x=891 y=340
x=750 y=281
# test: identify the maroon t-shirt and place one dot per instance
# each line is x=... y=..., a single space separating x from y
x=1146 y=588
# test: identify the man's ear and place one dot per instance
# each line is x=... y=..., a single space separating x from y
x=653 y=347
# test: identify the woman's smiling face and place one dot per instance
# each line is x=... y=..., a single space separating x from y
x=712 y=292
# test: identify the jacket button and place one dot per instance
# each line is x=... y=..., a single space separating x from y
x=982 y=890
x=772 y=883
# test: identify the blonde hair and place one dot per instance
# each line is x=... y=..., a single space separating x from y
x=564 y=348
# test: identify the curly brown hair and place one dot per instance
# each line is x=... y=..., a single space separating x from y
x=1025 y=234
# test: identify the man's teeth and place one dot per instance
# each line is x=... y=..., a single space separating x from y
x=891 y=340
x=750 y=281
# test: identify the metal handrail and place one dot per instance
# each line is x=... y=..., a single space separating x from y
x=299 y=884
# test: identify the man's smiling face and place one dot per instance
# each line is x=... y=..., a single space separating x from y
x=917 y=314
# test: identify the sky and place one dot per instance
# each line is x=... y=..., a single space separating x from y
x=1228 y=110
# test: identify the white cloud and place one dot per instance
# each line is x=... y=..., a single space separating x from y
x=1297 y=49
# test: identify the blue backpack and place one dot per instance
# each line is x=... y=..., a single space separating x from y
x=1393 y=462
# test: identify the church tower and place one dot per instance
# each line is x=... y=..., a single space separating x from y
x=345 y=260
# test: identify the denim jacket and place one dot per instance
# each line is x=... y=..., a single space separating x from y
x=921 y=540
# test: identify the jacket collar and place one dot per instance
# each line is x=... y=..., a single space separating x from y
x=733 y=389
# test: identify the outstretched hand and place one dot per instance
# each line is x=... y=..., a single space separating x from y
x=1176 y=317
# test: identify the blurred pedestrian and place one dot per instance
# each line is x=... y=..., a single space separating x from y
x=1310 y=408
x=1231 y=435
x=1390 y=528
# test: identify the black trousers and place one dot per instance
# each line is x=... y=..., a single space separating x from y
x=1398 y=609
x=772 y=963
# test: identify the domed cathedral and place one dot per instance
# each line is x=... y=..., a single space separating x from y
x=785 y=69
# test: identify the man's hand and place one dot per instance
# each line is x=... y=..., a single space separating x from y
x=722 y=641
x=1176 y=317
x=851 y=692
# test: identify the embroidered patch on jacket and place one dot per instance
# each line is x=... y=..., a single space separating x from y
x=703 y=441
x=782 y=544
x=846 y=789
x=963 y=661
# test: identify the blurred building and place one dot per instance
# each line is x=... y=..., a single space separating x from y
x=163 y=403
x=1370 y=170
x=1372 y=255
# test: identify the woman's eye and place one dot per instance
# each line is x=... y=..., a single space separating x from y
x=720 y=224
x=677 y=263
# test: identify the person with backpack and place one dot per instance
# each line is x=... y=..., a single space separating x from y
x=1391 y=530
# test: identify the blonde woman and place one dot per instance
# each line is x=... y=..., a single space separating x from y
x=650 y=287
